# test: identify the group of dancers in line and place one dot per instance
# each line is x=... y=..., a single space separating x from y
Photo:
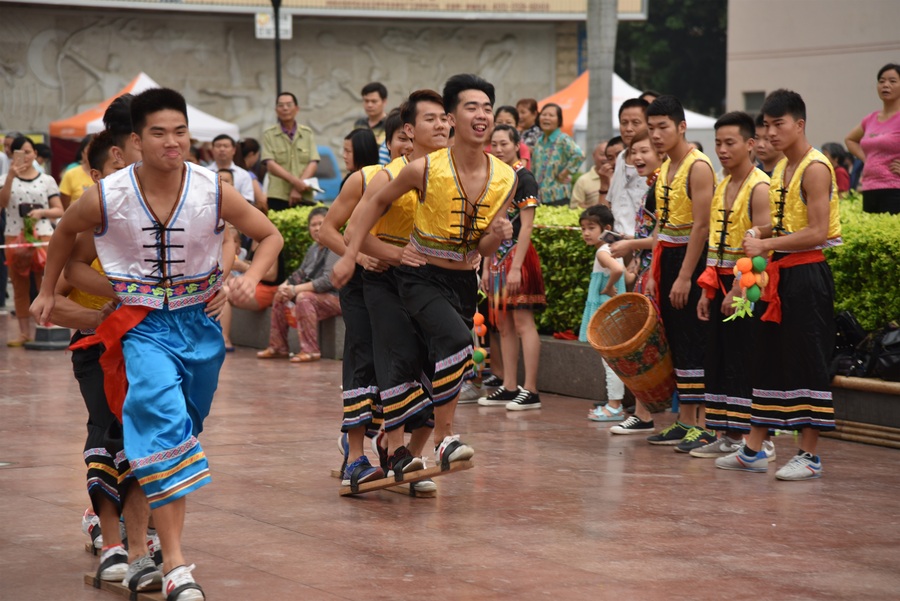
x=738 y=377
x=415 y=232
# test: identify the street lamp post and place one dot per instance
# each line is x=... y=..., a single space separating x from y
x=276 y=7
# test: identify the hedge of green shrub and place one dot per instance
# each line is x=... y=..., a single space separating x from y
x=866 y=270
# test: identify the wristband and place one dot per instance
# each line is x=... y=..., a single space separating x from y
x=751 y=232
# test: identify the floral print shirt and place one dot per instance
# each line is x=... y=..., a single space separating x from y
x=552 y=155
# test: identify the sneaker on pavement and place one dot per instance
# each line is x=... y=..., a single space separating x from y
x=802 y=466
x=492 y=381
x=143 y=575
x=113 y=564
x=90 y=525
x=499 y=398
x=718 y=448
x=741 y=461
x=469 y=393
x=179 y=585
x=524 y=401
x=403 y=461
x=632 y=425
x=768 y=448
x=669 y=436
x=362 y=471
x=451 y=449
x=695 y=438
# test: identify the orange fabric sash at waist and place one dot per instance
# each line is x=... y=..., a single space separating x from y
x=770 y=294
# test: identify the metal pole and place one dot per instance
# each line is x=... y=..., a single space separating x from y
x=276 y=6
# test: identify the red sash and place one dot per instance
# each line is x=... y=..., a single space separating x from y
x=655 y=269
x=110 y=333
x=770 y=294
x=710 y=282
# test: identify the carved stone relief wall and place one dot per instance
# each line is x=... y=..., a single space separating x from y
x=55 y=63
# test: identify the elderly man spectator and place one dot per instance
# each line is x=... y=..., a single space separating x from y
x=223 y=150
x=291 y=156
x=592 y=187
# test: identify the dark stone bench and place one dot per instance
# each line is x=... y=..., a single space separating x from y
x=251 y=329
x=867 y=400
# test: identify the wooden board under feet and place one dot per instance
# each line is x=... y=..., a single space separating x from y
x=403 y=489
x=90 y=548
x=117 y=588
x=430 y=472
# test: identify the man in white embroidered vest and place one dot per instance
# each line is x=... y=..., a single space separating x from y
x=158 y=228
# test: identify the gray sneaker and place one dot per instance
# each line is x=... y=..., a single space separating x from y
x=469 y=393
x=801 y=467
x=718 y=448
x=768 y=448
x=143 y=575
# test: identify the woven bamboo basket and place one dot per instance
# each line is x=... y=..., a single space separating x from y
x=628 y=334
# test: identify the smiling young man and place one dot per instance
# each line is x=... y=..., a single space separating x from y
x=795 y=336
x=463 y=193
x=741 y=202
x=159 y=226
x=626 y=191
x=683 y=193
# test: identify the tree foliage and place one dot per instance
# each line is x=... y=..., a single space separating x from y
x=680 y=49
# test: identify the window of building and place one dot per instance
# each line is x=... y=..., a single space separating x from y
x=753 y=101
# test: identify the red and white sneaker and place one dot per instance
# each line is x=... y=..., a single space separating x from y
x=450 y=450
x=179 y=585
x=90 y=525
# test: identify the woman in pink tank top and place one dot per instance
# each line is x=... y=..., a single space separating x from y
x=877 y=142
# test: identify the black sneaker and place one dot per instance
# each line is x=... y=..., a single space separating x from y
x=633 y=425
x=492 y=381
x=498 y=398
x=670 y=436
x=524 y=401
x=694 y=439
x=402 y=461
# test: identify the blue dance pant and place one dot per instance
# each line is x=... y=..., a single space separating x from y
x=172 y=359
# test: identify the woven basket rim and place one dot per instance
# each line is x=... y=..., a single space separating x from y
x=612 y=304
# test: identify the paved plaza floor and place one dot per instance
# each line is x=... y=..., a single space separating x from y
x=556 y=508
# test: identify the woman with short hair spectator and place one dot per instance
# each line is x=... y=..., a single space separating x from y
x=26 y=194
x=840 y=159
x=556 y=157
x=529 y=131
x=876 y=141
x=508 y=115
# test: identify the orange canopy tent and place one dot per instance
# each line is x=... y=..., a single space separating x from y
x=571 y=100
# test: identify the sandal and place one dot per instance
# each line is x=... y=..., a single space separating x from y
x=270 y=353
x=305 y=357
x=18 y=342
x=605 y=413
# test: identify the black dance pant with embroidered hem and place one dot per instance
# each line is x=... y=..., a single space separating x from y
x=685 y=332
x=108 y=472
x=400 y=354
x=728 y=366
x=361 y=403
x=442 y=303
x=792 y=360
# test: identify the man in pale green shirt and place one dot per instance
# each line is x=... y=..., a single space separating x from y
x=290 y=155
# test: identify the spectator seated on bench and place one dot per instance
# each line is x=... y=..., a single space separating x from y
x=305 y=299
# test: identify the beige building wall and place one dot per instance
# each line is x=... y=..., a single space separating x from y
x=829 y=51
x=57 y=62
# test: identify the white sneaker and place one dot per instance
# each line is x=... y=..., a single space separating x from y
x=179 y=585
x=768 y=448
x=90 y=525
x=801 y=467
x=154 y=547
x=113 y=564
x=452 y=450
x=427 y=485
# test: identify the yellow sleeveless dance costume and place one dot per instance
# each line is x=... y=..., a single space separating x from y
x=449 y=223
x=789 y=393
x=686 y=334
x=728 y=354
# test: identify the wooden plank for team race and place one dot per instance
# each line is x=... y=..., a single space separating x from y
x=90 y=548
x=117 y=588
x=431 y=472
x=402 y=489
